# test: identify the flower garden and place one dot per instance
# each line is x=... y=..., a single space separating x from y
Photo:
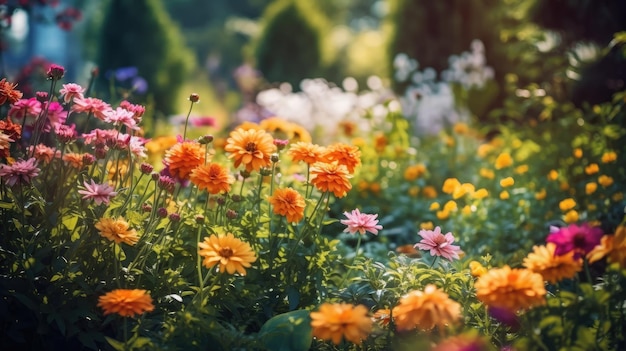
x=353 y=229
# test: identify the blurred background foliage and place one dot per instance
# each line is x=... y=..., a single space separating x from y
x=178 y=46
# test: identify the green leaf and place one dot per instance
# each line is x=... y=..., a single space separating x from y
x=289 y=331
x=6 y=205
x=70 y=222
x=118 y=345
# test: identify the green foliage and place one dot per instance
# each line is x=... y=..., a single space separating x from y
x=140 y=34
x=291 y=44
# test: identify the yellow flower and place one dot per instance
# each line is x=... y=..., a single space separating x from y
x=232 y=254
x=521 y=169
x=413 y=172
x=590 y=188
x=507 y=182
x=592 y=169
x=460 y=128
x=117 y=230
x=427 y=225
x=480 y=193
x=425 y=310
x=450 y=206
x=477 y=269
x=552 y=267
x=443 y=214
x=553 y=175
x=571 y=217
x=541 y=194
x=484 y=150
x=511 y=289
x=618 y=197
x=567 y=204
x=486 y=173
x=609 y=156
x=434 y=206
x=503 y=160
x=126 y=302
x=414 y=191
x=466 y=210
x=578 y=152
x=504 y=195
x=564 y=185
x=605 y=180
x=429 y=192
x=449 y=185
x=335 y=321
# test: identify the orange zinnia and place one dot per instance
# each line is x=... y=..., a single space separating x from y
x=117 y=230
x=341 y=320
x=425 y=310
x=306 y=152
x=289 y=203
x=553 y=268
x=613 y=246
x=250 y=147
x=511 y=289
x=232 y=254
x=8 y=93
x=331 y=177
x=344 y=154
x=183 y=157
x=74 y=160
x=504 y=160
x=126 y=302
x=213 y=177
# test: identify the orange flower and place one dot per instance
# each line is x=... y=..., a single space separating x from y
x=480 y=193
x=460 y=128
x=504 y=195
x=486 y=173
x=592 y=169
x=460 y=191
x=413 y=172
x=126 y=302
x=232 y=254
x=553 y=175
x=117 y=230
x=425 y=310
x=341 y=320
x=506 y=182
x=613 y=246
x=74 y=160
x=605 y=180
x=591 y=188
x=521 y=169
x=609 y=156
x=331 y=177
x=183 y=157
x=344 y=154
x=429 y=192
x=553 y=268
x=449 y=185
x=504 y=160
x=541 y=194
x=213 y=177
x=250 y=147
x=8 y=93
x=570 y=217
x=306 y=152
x=511 y=289
x=383 y=315
x=567 y=204
x=289 y=203
x=477 y=269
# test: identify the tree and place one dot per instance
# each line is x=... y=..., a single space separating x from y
x=139 y=33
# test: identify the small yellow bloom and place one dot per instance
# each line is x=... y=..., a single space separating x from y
x=507 y=182
x=480 y=193
x=460 y=128
x=413 y=172
x=450 y=206
x=504 y=160
x=541 y=194
x=567 y=204
x=564 y=185
x=618 y=197
x=590 y=188
x=605 y=180
x=427 y=225
x=521 y=169
x=578 y=152
x=553 y=175
x=444 y=214
x=609 y=156
x=592 y=207
x=571 y=217
x=449 y=185
x=516 y=144
x=414 y=191
x=504 y=195
x=487 y=173
x=477 y=269
x=592 y=169
x=460 y=191
x=484 y=149
x=466 y=210
x=429 y=192
x=434 y=206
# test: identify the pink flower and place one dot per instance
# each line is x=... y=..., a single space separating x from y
x=56 y=116
x=438 y=244
x=71 y=91
x=100 y=136
x=580 y=239
x=91 y=105
x=137 y=110
x=121 y=116
x=361 y=222
x=202 y=121
x=99 y=193
x=20 y=172
x=26 y=108
x=55 y=72
x=44 y=153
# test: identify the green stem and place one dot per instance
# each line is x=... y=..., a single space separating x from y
x=187 y=121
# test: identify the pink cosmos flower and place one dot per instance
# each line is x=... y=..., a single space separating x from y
x=20 y=172
x=26 y=108
x=580 y=239
x=56 y=116
x=438 y=244
x=91 y=105
x=136 y=146
x=71 y=91
x=361 y=222
x=99 y=193
x=121 y=116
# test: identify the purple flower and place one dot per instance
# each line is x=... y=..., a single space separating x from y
x=99 y=193
x=361 y=222
x=438 y=244
x=20 y=172
x=580 y=239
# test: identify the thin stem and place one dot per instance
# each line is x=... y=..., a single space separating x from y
x=187 y=121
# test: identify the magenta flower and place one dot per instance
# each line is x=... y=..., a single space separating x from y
x=361 y=222
x=580 y=239
x=20 y=172
x=438 y=244
x=70 y=91
x=55 y=72
x=99 y=193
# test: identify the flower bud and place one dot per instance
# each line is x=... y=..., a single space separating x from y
x=199 y=219
x=231 y=214
x=146 y=168
x=88 y=159
x=194 y=97
x=265 y=171
x=174 y=217
x=146 y=208
x=162 y=212
x=42 y=96
x=55 y=72
x=274 y=158
x=205 y=139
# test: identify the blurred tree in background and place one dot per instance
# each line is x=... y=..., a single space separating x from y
x=140 y=33
x=290 y=46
